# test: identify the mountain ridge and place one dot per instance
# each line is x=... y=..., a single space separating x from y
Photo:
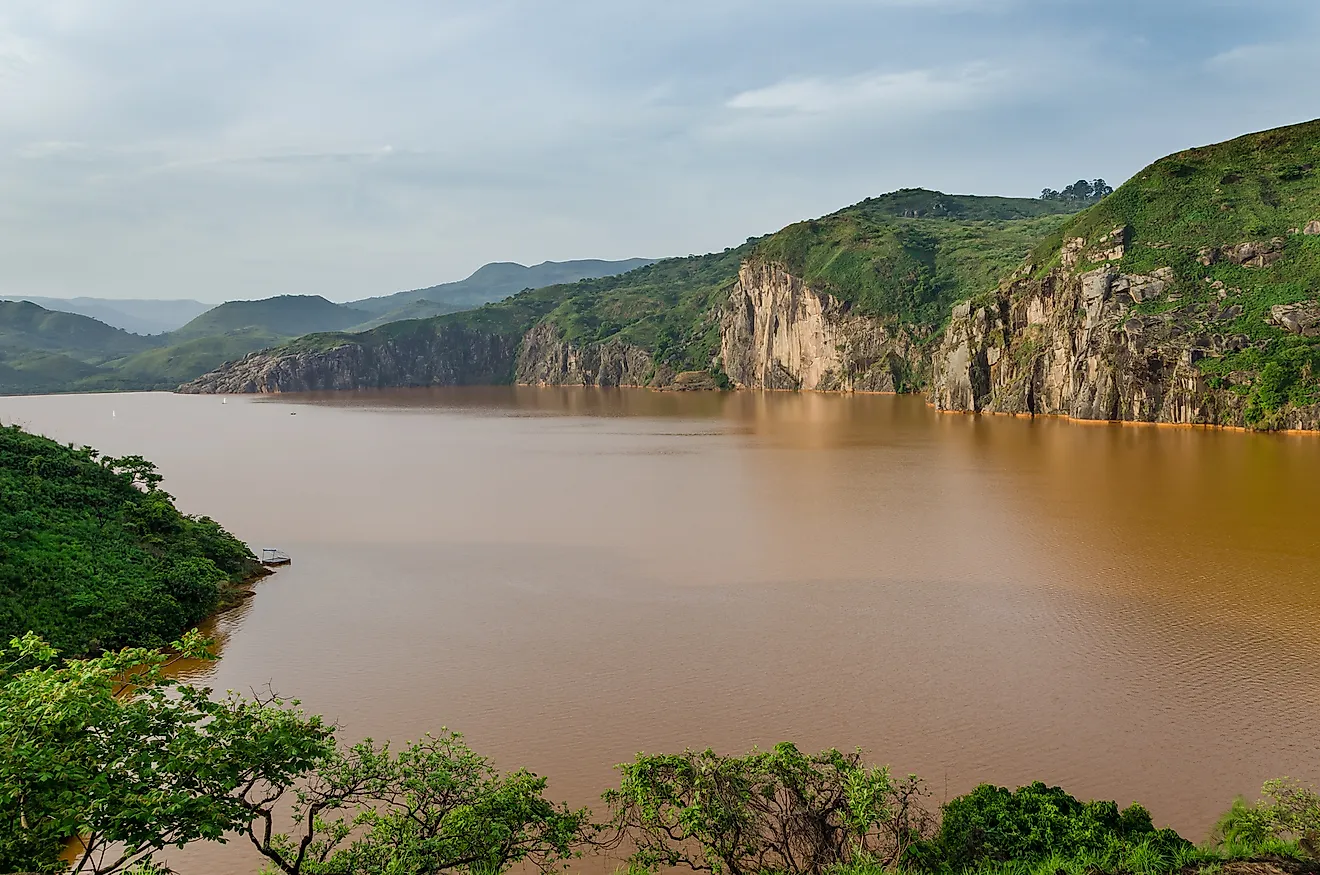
x=1189 y=295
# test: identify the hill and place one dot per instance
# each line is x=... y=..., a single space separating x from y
x=1188 y=295
x=285 y=315
x=924 y=249
x=140 y=316
x=26 y=327
x=492 y=282
x=95 y=555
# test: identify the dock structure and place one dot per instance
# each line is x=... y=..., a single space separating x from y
x=271 y=558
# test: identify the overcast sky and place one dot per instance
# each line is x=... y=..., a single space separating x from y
x=243 y=149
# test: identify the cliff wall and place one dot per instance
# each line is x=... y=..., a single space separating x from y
x=778 y=333
x=423 y=355
x=1075 y=342
x=546 y=359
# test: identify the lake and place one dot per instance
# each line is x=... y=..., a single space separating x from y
x=569 y=576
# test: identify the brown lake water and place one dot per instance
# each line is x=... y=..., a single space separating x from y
x=569 y=576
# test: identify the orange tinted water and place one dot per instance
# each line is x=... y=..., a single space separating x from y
x=569 y=576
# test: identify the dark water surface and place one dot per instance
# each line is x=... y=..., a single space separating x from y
x=571 y=576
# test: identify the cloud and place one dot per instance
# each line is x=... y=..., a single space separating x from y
x=883 y=92
x=328 y=146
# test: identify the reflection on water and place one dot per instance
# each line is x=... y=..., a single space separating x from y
x=572 y=575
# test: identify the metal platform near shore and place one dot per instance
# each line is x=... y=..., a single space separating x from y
x=272 y=558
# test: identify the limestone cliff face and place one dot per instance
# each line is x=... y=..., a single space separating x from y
x=1069 y=343
x=778 y=333
x=452 y=355
x=546 y=359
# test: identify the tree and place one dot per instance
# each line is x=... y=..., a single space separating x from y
x=114 y=752
x=770 y=811
x=434 y=807
x=1080 y=192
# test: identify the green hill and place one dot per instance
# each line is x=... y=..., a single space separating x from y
x=140 y=316
x=26 y=327
x=490 y=283
x=285 y=315
x=93 y=555
x=1238 y=224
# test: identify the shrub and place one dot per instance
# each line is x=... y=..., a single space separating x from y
x=993 y=825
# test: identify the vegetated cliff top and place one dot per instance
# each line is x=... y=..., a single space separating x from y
x=1238 y=224
x=89 y=560
x=907 y=257
x=1255 y=187
x=286 y=315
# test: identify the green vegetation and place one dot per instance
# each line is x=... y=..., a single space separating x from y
x=114 y=751
x=909 y=256
x=1081 y=192
x=49 y=351
x=285 y=316
x=906 y=256
x=488 y=284
x=93 y=553
x=1185 y=210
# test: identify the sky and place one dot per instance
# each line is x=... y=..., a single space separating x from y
x=237 y=150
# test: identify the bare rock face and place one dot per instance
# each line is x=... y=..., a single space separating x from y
x=1070 y=344
x=452 y=355
x=1303 y=319
x=1312 y=228
x=546 y=359
x=1245 y=254
x=778 y=333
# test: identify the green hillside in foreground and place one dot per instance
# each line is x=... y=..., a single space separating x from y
x=1192 y=211
x=94 y=555
x=906 y=256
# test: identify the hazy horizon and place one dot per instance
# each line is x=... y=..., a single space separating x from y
x=242 y=151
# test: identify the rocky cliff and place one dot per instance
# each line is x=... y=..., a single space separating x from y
x=776 y=332
x=421 y=355
x=1077 y=342
x=545 y=358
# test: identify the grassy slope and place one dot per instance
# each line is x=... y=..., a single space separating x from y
x=490 y=283
x=90 y=561
x=285 y=315
x=1254 y=188
x=910 y=255
x=167 y=367
x=26 y=327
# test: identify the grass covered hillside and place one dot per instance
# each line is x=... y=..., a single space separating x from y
x=94 y=555
x=489 y=283
x=28 y=328
x=910 y=255
x=1239 y=225
x=284 y=315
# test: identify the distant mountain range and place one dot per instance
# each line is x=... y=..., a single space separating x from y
x=141 y=316
x=90 y=344
x=490 y=283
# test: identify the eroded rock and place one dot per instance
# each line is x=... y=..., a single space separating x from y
x=1302 y=319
